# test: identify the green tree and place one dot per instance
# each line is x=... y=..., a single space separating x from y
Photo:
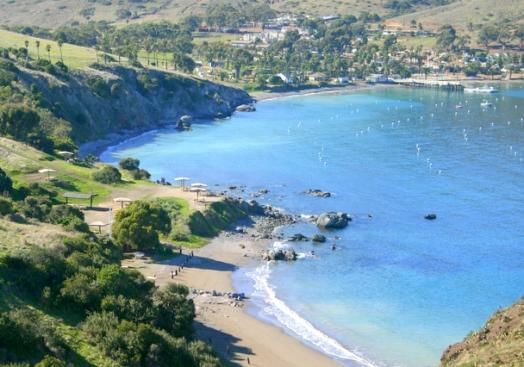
x=129 y=164
x=48 y=49
x=18 y=121
x=446 y=37
x=175 y=311
x=6 y=184
x=107 y=175
x=138 y=225
x=37 y=42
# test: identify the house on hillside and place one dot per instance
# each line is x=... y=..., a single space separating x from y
x=285 y=77
x=377 y=78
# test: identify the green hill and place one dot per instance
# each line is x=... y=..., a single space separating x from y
x=499 y=343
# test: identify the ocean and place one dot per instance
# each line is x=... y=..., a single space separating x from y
x=398 y=289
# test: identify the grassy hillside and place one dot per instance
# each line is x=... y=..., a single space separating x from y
x=499 y=343
x=74 y=56
x=52 y=13
x=463 y=12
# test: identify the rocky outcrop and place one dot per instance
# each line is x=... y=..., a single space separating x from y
x=104 y=99
x=499 y=343
x=286 y=254
x=333 y=220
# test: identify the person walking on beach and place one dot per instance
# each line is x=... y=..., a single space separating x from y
x=248 y=361
x=172 y=274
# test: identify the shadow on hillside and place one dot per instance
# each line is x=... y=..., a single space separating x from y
x=224 y=344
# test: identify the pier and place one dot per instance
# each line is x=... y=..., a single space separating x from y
x=437 y=84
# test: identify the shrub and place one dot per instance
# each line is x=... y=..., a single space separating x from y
x=35 y=207
x=6 y=184
x=6 y=206
x=175 y=311
x=63 y=214
x=141 y=174
x=137 y=226
x=136 y=310
x=49 y=361
x=81 y=291
x=99 y=87
x=107 y=175
x=18 y=121
x=129 y=164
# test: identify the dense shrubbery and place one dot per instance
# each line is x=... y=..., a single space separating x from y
x=107 y=175
x=138 y=225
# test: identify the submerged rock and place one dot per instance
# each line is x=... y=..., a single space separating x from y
x=333 y=220
x=318 y=193
x=298 y=237
x=320 y=238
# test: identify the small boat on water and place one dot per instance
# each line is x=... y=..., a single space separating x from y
x=484 y=89
x=459 y=106
x=485 y=104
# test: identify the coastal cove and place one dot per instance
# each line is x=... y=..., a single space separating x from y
x=398 y=289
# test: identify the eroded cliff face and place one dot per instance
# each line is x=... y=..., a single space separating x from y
x=499 y=343
x=114 y=99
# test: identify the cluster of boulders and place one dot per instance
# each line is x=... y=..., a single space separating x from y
x=318 y=193
x=184 y=123
x=286 y=254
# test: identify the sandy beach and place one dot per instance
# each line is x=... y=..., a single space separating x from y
x=237 y=336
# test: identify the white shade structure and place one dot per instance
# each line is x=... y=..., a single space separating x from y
x=98 y=224
x=182 y=181
x=122 y=201
x=198 y=190
x=199 y=185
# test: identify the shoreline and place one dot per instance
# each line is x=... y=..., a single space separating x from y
x=222 y=319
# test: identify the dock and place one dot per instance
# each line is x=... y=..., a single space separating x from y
x=435 y=84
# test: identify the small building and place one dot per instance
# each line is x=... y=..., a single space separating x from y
x=377 y=78
x=318 y=78
x=341 y=80
x=285 y=77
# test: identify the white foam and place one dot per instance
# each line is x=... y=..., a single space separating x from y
x=295 y=323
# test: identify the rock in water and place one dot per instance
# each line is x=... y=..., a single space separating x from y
x=320 y=238
x=333 y=220
x=184 y=122
x=287 y=254
x=246 y=108
x=298 y=237
x=318 y=193
x=430 y=216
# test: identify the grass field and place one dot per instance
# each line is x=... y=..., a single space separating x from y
x=74 y=56
x=22 y=164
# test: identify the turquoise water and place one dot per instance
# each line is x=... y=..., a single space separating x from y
x=398 y=289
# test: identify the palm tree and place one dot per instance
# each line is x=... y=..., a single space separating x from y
x=26 y=43
x=48 y=49
x=60 y=43
x=37 y=42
